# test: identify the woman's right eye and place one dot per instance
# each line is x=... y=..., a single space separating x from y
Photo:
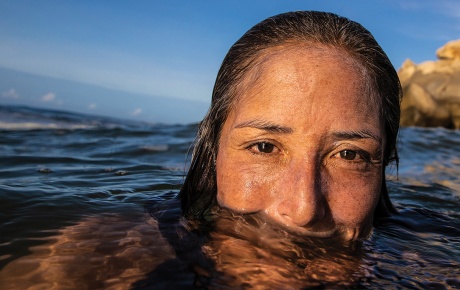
x=262 y=147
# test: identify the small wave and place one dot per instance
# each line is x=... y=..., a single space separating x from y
x=37 y=126
x=155 y=148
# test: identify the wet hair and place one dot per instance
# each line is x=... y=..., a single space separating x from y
x=198 y=194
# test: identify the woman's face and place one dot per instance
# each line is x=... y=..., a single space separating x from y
x=303 y=145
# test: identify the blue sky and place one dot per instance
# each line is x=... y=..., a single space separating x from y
x=172 y=49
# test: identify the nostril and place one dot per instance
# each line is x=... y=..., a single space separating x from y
x=298 y=216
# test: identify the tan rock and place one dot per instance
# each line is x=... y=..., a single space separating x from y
x=406 y=71
x=432 y=90
x=449 y=51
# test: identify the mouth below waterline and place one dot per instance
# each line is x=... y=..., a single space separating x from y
x=259 y=222
x=264 y=223
x=320 y=230
x=313 y=232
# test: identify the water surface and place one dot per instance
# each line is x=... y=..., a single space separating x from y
x=77 y=193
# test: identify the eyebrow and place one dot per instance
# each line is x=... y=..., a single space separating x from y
x=274 y=128
x=355 y=135
x=265 y=126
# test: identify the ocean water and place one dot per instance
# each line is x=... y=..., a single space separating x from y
x=88 y=202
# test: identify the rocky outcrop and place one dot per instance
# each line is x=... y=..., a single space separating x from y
x=432 y=90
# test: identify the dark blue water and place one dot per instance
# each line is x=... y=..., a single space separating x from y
x=76 y=194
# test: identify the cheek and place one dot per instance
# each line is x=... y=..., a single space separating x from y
x=239 y=188
x=352 y=200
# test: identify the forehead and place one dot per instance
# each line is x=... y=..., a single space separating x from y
x=289 y=59
x=287 y=83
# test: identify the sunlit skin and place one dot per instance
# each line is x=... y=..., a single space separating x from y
x=303 y=144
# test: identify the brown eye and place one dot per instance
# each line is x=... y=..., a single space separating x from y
x=264 y=147
x=348 y=154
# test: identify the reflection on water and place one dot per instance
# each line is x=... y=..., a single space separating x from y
x=98 y=252
x=112 y=252
x=418 y=249
x=248 y=252
x=237 y=251
x=73 y=204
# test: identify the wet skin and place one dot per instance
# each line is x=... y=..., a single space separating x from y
x=303 y=144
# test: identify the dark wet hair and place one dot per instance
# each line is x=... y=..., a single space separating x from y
x=198 y=194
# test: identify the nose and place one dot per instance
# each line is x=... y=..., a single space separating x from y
x=299 y=201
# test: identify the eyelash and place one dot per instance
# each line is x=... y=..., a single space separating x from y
x=360 y=154
x=261 y=143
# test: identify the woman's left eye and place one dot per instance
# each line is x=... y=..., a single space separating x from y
x=353 y=155
x=265 y=147
x=348 y=154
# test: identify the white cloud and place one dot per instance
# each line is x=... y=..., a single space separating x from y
x=136 y=112
x=10 y=94
x=446 y=27
x=92 y=106
x=142 y=74
x=450 y=8
x=48 y=97
x=410 y=5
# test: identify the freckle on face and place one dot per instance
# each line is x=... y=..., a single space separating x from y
x=309 y=104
